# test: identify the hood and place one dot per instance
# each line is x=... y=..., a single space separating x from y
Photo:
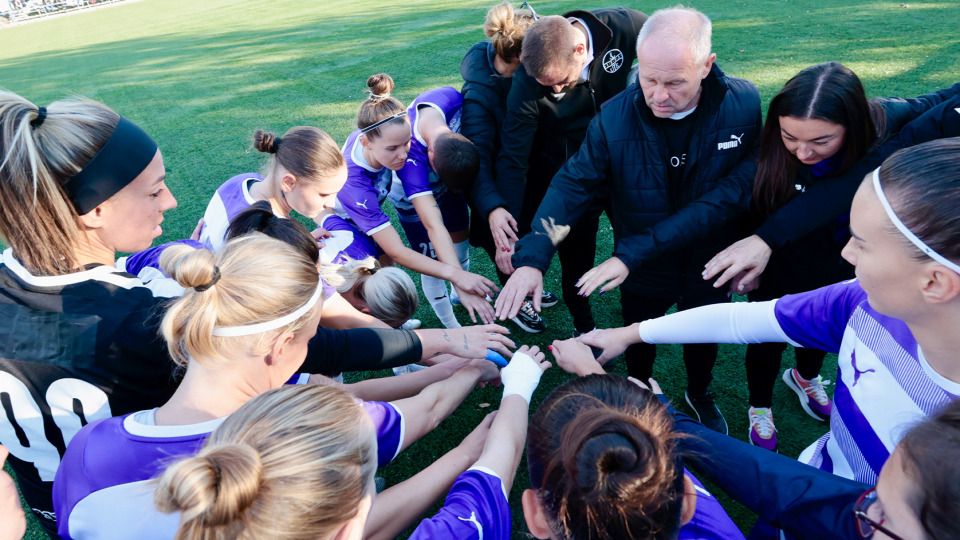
x=477 y=65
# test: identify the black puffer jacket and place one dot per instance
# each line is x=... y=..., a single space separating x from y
x=541 y=130
x=484 y=106
x=659 y=236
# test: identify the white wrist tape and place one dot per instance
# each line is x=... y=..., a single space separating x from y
x=520 y=377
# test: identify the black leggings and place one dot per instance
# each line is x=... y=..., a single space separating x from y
x=698 y=358
x=763 y=365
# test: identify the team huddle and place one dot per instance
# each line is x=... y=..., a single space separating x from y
x=194 y=389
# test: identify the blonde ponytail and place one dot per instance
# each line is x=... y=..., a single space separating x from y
x=389 y=292
x=505 y=27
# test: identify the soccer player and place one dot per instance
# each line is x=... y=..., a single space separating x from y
x=893 y=327
x=382 y=147
x=237 y=338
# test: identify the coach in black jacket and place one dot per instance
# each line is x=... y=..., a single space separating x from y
x=555 y=93
x=674 y=155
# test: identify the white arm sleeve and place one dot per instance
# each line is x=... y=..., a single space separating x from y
x=739 y=322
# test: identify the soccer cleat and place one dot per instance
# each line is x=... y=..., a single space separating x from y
x=411 y=324
x=762 y=431
x=528 y=319
x=547 y=299
x=707 y=412
x=813 y=397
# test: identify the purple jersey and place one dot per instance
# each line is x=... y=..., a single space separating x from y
x=416 y=178
x=102 y=488
x=710 y=521
x=883 y=382
x=476 y=508
x=347 y=242
x=230 y=199
x=358 y=201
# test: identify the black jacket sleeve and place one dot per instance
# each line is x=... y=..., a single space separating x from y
x=802 y=500
x=516 y=140
x=332 y=352
x=695 y=221
x=823 y=201
x=570 y=194
x=479 y=124
x=900 y=111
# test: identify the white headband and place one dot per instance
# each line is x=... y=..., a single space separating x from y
x=249 y=330
x=906 y=232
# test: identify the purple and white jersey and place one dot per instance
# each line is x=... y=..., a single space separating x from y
x=102 y=487
x=231 y=198
x=146 y=266
x=346 y=243
x=710 y=521
x=358 y=201
x=884 y=385
x=475 y=508
x=417 y=178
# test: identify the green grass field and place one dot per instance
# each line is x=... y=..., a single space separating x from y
x=201 y=76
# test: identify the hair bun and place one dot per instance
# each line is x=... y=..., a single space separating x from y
x=380 y=86
x=189 y=266
x=264 y=141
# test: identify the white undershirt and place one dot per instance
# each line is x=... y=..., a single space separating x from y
x=738 y=322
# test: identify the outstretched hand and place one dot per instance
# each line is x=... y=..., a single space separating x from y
x=473 y=341
x=477 y=306
x=744 y=260
x=575 y=356
x=527 y=280
x=13 y=523
x=612 y=341
x=503 y=228
x=653 y=385
x=609 y=275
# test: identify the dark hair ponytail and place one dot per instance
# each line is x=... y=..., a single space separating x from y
x=259 y=217
x=829 y=92
x=602 y=455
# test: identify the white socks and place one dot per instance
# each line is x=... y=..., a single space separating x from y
x=463 y=255
x=435 y=290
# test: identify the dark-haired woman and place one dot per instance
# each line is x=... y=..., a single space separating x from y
x=604 y=463
x=894 y=327
x=819 y=126
x=374 y=154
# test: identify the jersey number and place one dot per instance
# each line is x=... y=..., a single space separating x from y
x=427 y=249
x=73 y=404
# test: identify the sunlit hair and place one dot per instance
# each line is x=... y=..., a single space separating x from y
x=680 y=26
x=37 y=218
x=603 y=461
x=308 y=153
x=389 y=292
x=261 y=279
x=292 y=463
x=830 y=92
x=505 y=26
x=548 y=43
x=922 y=184
x=379 y=105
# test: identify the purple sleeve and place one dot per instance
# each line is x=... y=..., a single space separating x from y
x=388 y=422
x=817 y=319
x=415 y=174
x=710 y=521
x=475 y=508
x=360 y=202
x=150 y=258
x=71 y=484
x=329 y=291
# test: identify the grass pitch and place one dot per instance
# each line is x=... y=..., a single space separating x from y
x=202 y=76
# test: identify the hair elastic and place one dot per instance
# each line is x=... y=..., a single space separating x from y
x=125 y=155
x=905 y=231
x=213 y=280
x=384 y=121
x=41 y=117
x=259 y=328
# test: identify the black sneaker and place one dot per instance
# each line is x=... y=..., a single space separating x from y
x=547 y=299
x=528 y=319
x=707 y=412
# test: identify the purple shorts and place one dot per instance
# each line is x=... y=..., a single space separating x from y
x=453 y=208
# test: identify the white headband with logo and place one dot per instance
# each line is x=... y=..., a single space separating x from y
x=259 y=328
x=905 y=231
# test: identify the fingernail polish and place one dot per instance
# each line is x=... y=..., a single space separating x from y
x=602 y=291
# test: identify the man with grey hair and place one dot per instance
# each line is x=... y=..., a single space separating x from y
x=673 y=153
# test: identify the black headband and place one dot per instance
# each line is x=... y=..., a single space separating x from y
x=41 y=116
x=384 y=121
x=126 y=154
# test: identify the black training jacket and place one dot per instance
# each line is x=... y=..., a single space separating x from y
x=625 y=153
x=484 y=106
x=542 y=130
x=908 y=122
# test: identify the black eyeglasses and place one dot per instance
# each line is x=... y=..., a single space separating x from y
x=866 y=525
x=526 y=5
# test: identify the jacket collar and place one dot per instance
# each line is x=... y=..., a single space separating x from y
x=602 y=35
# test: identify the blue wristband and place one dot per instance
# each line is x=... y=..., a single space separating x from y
x=496 y=358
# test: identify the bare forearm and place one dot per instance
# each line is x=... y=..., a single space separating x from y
x=402 y=386
x=505 y=443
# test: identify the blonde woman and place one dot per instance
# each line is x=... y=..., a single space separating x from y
x=236 y=339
